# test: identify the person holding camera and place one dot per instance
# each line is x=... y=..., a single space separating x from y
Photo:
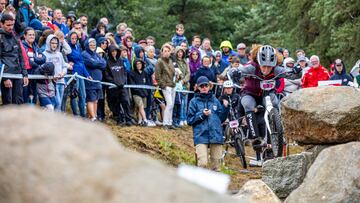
x=205 y=116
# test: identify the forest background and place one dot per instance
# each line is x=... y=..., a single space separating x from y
x=328 y=28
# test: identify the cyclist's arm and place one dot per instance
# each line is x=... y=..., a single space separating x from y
x=282 y=72
x=247 y=69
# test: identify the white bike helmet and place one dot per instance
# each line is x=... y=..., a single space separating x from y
x=266 y=56
x=228 y=83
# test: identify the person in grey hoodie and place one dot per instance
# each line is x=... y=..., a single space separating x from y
x=53 y=54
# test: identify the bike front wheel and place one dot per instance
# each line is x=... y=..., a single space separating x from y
x=277 y=132
x=240 y=151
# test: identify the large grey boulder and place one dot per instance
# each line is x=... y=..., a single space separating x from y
x=48 y=157
x=323 y=115
x=256 y=191
x=333 y=177
x=285 y=174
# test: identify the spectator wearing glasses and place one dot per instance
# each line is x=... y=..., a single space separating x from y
x=316 y=73
x=205 y=116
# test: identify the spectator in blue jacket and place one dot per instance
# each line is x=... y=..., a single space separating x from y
x=94 y=64
x=218 y=64
x=36 y=58
x=75 y=57
x=227 y=51
x=205 y=70
x=206 y=115
x=57 y=21
x=340 y=73
x=124 y=58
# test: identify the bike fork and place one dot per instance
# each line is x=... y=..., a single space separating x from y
x=268 y=107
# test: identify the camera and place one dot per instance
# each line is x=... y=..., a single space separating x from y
x=51 y=13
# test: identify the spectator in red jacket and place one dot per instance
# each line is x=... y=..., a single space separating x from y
x=316 y=73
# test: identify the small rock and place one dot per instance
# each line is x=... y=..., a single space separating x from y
x=285 y=174
x=333 y=177
x=256 y=191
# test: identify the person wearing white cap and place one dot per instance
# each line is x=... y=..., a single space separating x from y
x=340 y=73
x=293 y=81
x=242 y=54
x=302 y=64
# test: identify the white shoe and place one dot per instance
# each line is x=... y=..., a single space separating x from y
x=158 y=123
x=185 y=123
x=255 y=163
x=151 y=123
x=140 y=122
x=181 y=123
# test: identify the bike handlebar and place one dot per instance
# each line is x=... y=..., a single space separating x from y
x=262 y=79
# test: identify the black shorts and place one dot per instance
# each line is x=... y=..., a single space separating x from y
x=93 y=95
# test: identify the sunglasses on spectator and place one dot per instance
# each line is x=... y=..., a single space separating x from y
x=338 y=64
x=194 y=54
x=204 y=85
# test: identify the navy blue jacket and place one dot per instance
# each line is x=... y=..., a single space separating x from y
x=94 y=64
x=118 y=39
x=343 y=76
x=149 y=67
x=206 y=129
x=36 y=60
x=219 y=68
x=204 y=71
x=76 y=57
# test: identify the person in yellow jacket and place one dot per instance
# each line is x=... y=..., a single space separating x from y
x=227 y=50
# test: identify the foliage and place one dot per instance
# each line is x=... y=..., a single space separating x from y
x=328 y=28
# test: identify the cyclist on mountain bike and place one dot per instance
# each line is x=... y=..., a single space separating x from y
x=264 y=65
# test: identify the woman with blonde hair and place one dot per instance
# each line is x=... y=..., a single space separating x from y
x=205 y=48
x=166 y=77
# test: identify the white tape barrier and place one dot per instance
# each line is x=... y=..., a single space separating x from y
x=72 y=77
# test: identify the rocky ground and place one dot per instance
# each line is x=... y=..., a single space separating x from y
x=176 y=146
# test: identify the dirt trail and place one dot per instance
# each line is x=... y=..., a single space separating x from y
x=176 y=146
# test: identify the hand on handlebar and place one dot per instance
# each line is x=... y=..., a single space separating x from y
x=226 y=103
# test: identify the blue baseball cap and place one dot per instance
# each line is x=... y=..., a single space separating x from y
x=202 y=80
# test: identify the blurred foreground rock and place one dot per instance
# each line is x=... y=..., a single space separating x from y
x=256 y=191
x=48 y=157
